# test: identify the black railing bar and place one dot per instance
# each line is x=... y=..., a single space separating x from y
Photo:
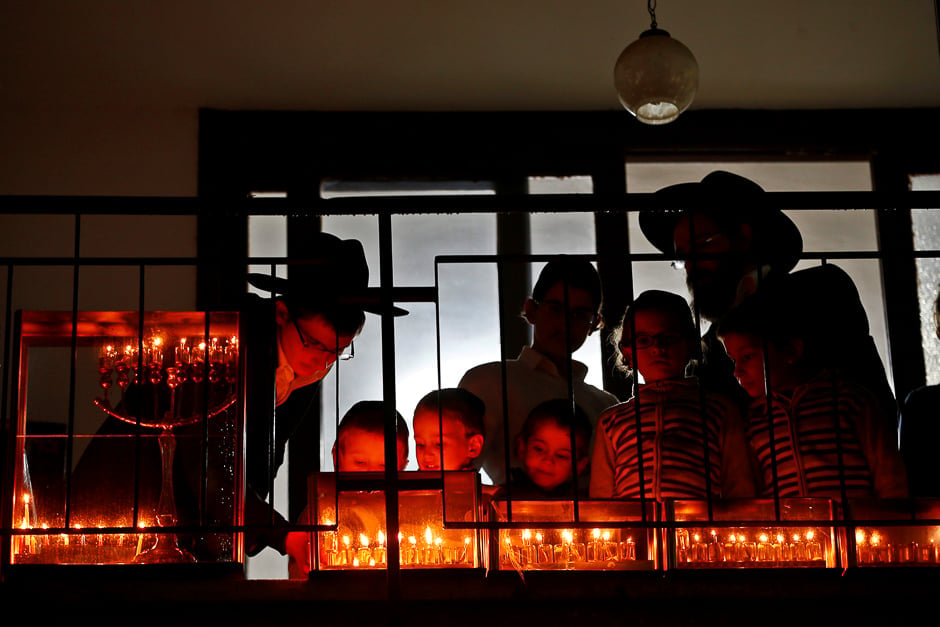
x=481 y=526
x=404 y=205
x=426 y=293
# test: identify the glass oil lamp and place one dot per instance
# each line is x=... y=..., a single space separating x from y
x=135 y=396
x=352 y=516
x=745 y=533
x=551 y=539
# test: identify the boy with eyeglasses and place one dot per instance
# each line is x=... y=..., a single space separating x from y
x=564 y=309
x=691 y=442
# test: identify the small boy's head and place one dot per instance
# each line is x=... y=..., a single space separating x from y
x=452 y=417
x=565 y=306
x=750 y=328
x=360 y=439
x=544 y=444
x=659 y=325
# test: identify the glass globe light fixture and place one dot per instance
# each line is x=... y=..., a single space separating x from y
x=656 y=76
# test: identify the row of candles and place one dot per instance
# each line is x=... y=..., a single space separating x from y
x=82 y=545
x=533 y=550
x=182 y=361
x=872 y=548
x=340 y=551
x=697 y=546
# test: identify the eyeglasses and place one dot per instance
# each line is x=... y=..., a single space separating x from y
x=580 y=315
x=644 y=340
x=344 y=353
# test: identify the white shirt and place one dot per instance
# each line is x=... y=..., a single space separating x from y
x=531 y=379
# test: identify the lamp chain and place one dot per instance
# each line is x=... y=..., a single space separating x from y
x=651 y=7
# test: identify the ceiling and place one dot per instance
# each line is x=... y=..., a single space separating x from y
x=457 y=55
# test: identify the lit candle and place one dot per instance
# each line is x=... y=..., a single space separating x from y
x=545 y=552
x=347 y=551
x=26 y=501
x=140 y=538
x=764 y=552
x=611 y=550
x=628 y=550
x=380 y=551
x=364 y=554
x=595 y=551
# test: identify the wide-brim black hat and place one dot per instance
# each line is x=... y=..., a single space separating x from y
x=777 y=239
x=334 y=273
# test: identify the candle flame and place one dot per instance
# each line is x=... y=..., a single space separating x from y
x=380 y=538
x=438 y=541
x=596 y=533
x=355 y=561
x=428 y=536
x=780 y=538
x=467 y=540
x=697 y=538
x=860 y=536
x=796 y=537
x=606 y=536
x=810 y=534
x=538 y=536
x=346 y=540
x=364 y=540
x=875 y=537
x=412 y=540
x=526 y=534
x=371 y=561
x=26 y=498
x=567 y=536
x=763 y=537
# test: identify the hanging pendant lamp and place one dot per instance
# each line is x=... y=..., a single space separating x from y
x=656 y=76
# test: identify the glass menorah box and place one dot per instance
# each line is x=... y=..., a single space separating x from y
x=550 y=535
x=750 y=533
x=438 y=519
x=126 y=439
x=894 y=532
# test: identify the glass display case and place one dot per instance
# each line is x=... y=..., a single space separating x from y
x=438 y=516
x=894 y=532
x=749 y=533
x=126 y=438
x=547 y=535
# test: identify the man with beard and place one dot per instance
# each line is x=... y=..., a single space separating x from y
x=732 y=248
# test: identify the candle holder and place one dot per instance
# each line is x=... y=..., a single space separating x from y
x=601 y=539
x=894 y=532
x=745 y=534
x=353 y=507
x=143 y=377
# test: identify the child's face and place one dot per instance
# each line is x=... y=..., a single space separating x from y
x=361 y=451
x=747 y=351
x=669 y=348
x=551 y=324
x=546 y=455
x=460 y=449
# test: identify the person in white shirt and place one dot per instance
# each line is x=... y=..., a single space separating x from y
x=564 y=309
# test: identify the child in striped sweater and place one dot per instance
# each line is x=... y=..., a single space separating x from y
x=673 y=439
x=810 y=431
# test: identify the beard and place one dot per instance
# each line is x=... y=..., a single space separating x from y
x=714 y=291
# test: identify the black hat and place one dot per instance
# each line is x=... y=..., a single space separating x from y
x=725 y=195
x=335 y=273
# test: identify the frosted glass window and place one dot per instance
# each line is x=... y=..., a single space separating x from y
x=465 y=293
x=926 y=223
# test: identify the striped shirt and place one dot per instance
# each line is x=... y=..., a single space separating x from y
x=691 y=445
x=828 y=434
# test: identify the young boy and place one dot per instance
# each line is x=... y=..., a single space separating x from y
x=830 y=437
x=450 y=419
x=547 y=468
x=359 y=447
x=360 y=439
x=658 y=338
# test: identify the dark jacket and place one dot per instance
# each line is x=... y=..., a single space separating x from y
x=825 y=301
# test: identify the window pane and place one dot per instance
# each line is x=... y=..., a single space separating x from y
x=926 y=223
